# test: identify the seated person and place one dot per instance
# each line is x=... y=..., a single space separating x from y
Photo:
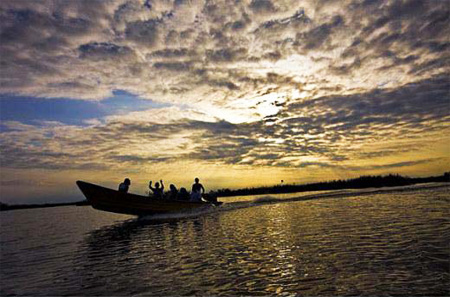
x=173 y=194
x=123 y=187
x=158 y=192
x=183 y=194
x=197 y=191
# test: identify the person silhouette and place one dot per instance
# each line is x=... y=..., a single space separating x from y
x=123 y=187
x=173 y=194
x=158 y=192
x=197 y=190
x=183 y=194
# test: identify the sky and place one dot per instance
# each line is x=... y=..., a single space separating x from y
x=237 y=93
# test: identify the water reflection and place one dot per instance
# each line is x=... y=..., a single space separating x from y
x=140 y=254
x=352 y=246
x=210 y=255
x=264 y=250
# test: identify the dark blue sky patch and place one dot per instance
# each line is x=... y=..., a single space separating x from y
x=32 y=110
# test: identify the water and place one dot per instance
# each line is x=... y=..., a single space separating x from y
x=389 y=242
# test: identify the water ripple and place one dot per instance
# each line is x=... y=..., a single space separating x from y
x=373 y=243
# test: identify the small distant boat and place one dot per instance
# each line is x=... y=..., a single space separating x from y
x=105 y=199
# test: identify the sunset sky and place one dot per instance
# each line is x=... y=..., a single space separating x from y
x=237 y=93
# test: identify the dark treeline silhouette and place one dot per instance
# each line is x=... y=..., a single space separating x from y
x=4 y=206
x=391 y=180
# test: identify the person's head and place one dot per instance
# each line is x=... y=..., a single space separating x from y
x=157 y=185
x=183 y=190
x=196 y=180
x=127 y=181
x=172 y=187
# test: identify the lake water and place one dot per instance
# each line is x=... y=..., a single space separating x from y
x=371 y=242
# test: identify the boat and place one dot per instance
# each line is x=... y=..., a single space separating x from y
x=110 y=200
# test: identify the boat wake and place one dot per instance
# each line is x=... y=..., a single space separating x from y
x=271 y=199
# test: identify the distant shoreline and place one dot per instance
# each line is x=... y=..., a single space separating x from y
x=5 y=207
x=362 y=182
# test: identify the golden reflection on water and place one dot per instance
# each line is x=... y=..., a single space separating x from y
x=351 y=246
x=279 y=230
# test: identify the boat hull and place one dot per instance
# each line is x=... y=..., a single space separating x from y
x=110 y=200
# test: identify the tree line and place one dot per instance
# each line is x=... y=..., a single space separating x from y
x=366 y=181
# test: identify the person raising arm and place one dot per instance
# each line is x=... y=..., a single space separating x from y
x=157 y=190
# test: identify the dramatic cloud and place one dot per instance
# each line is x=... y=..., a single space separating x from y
x=333 y=131
x=86 y=49
x=341 y=86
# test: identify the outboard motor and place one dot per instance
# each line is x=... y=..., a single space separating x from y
x=212 y=198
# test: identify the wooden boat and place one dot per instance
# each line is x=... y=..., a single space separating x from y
x=105 y=199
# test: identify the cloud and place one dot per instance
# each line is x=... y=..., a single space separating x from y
x=329 y=132
x=175 y=66
x=318 y=36
x=289 y=84
x=158 y=49
x=103 y=50
x=259 y=6
x=143 y=32
x=136 y=159
x=327 y=127
x=404 y=164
